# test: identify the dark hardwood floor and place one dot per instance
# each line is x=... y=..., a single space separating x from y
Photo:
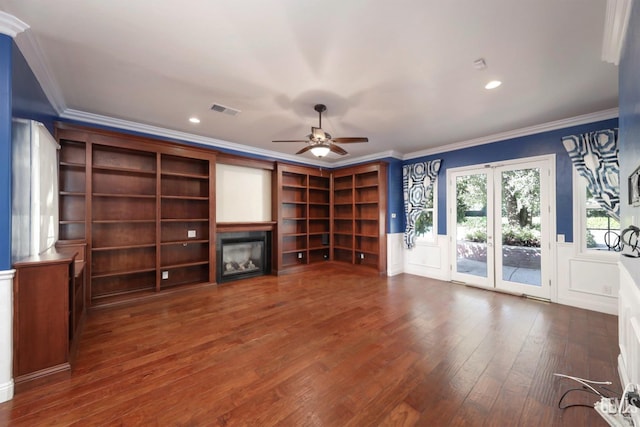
x=336 y=346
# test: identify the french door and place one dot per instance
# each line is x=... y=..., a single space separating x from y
x=500 y=227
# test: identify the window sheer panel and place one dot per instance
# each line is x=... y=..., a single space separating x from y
x=34 y=216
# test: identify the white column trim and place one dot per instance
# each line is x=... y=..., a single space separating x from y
x=615 y=28
x=6 y=335
x=10 y=25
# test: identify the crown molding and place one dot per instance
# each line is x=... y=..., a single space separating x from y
x=10 y=25
x=97 y=119
x=611 y=113
x=37 y=60
x=157 y=131
x=615 y=28
x=368 y=158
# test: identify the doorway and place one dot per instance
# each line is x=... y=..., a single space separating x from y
x=500 y=226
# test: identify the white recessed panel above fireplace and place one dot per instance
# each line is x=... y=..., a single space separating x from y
x=242 y=194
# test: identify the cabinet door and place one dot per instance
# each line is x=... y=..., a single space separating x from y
x=42 y=317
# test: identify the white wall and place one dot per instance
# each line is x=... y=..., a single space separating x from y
x=6 y=335
x=578 y=282
x=629 y=329
x=586 y=282
x=395 y=254
x=429 y=259
x=242 y=194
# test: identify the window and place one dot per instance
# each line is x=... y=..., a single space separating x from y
x=598 y=231
x=426 y=224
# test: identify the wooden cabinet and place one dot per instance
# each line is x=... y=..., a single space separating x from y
x=146 y=209
x=77 y=293
x=359 y=215
x=303 y=213
x=41 y=330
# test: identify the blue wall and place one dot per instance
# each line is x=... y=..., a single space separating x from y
x=28 y=98
x=526 y=146
x=6 y=44
x=395 y=201
x=629 y=90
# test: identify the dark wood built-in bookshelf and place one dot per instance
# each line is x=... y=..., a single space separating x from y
x=339 y=215
x=359 y=215
x=303 y=212
x=146 y=211
x=145 y=208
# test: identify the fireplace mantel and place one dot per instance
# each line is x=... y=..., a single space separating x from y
x=230 y=227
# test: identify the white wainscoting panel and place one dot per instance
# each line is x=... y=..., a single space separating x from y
x=586 y=283
x=429 y=259
x=6 y=335
x=629 y=329
x=395 y=254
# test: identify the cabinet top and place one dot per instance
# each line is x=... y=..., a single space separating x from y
x=50 y=256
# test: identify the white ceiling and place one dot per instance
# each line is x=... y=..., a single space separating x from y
x=400 y=73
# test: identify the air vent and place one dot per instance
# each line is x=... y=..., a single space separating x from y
x=479 y=64
x=226 y=110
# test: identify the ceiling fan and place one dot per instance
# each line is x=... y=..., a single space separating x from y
x=321 y=142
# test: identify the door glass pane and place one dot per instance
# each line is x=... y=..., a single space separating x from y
x=520 y=224
x=471 y=224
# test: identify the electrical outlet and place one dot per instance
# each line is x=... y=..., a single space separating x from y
x=607 y=290
x=165 y=275
x=299 y=255
x=191 y=234
x=361 y=256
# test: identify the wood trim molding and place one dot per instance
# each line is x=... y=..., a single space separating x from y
x=230 y=227
x=235 y=160
x=131 y=141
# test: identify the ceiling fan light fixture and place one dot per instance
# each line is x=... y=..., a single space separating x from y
x=318 y=134
x=320 y=150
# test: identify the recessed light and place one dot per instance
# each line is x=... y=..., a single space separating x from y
x=493 y=84
x=194 y=120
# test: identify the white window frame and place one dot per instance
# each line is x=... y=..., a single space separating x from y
x=431 y=238
x=580 y=223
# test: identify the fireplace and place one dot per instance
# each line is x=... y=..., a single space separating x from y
x=241 y=255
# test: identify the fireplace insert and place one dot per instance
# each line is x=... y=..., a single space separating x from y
x=241 y=255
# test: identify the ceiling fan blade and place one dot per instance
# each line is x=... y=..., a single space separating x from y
x=338 y=150
x=305 y=149
x=351 y=139
x=292 y=140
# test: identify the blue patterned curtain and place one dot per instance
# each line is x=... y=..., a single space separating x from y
x=417 y=179
x=595 y=156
